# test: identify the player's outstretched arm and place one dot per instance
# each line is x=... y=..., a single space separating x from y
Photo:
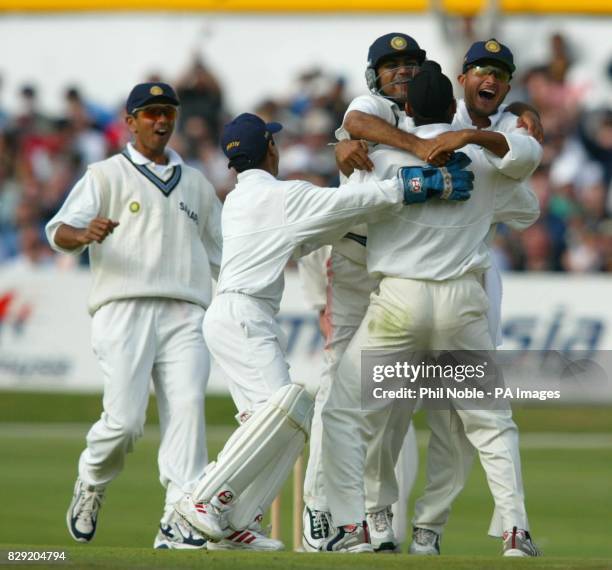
x=69 y=237
x=374 y=129
x=453 y=140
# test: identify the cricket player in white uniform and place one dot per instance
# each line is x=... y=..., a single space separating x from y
x=152 y=225
x=431 y=297
x=449 y=449
x=393 y=60
x=488 y=67
x=265 y=221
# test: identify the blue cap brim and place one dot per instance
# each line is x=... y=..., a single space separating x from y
x=273 y=127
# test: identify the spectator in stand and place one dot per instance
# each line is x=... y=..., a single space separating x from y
x=42 y=156
x=29 y=118
x=99 y=116
x=201 y=96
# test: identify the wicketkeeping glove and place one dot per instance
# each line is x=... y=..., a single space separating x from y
x=450 y=182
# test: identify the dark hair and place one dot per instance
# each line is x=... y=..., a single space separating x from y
x=431 y=97
x=242 y=163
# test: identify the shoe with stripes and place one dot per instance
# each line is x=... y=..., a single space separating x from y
x=176 y=534
x=354 y=538
x=251 y=538
x=317 y=528
x=517 y=542
x=204 y=517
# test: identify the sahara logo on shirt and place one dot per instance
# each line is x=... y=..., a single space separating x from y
x=185 y=208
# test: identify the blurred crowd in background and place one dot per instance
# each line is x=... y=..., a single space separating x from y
x=41 y=157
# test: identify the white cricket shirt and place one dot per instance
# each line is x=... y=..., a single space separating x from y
x=265 y=220
x=440 y=240
x=167 y=242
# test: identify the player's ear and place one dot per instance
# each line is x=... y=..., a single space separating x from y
x=130 y=121
x=461 y=79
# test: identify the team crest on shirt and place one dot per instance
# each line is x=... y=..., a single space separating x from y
x=190 y=213
x=398 y=42
x=134 y=207
x=415 y=185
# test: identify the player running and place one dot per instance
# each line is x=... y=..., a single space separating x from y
x=152 y=226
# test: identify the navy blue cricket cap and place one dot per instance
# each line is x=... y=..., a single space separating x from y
x=390 y=45
x=148 y=94
x=489 y=50
x=245 y=140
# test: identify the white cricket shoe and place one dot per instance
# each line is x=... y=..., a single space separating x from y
x=251 y=538
x=382 y=536
x=176 y=534
x=517 y=542
x=317 y=529
x=425 y=542
x=82 y=515
x=204 y=517
x=354 y=538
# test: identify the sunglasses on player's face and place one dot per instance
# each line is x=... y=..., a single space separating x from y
x=497 y=72
x=154 y=112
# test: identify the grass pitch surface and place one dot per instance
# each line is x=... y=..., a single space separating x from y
x=567 y=479
x=95 y=557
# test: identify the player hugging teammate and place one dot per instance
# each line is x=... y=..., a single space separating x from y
x=418 y=165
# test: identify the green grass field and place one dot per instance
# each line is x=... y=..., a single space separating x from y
x=567 y=466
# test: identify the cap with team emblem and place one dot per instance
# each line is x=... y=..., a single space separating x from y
x=245 y=140
x=489 y=50
x=393 y=44
x=148 y=94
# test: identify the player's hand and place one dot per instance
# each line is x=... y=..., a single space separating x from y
x=98 y=230
x=446 y=143
x=424 y=150
x=531 y=121
x=353 y=155
x=451 y=182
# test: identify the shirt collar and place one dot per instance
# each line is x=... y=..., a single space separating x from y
x=254 y=173
x=430 y=131
x=138 y=158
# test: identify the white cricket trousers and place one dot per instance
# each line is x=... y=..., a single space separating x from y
x=414 y=315
x=448 y=442
x=249 y=346
x=136 y=340
x=348 y=294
